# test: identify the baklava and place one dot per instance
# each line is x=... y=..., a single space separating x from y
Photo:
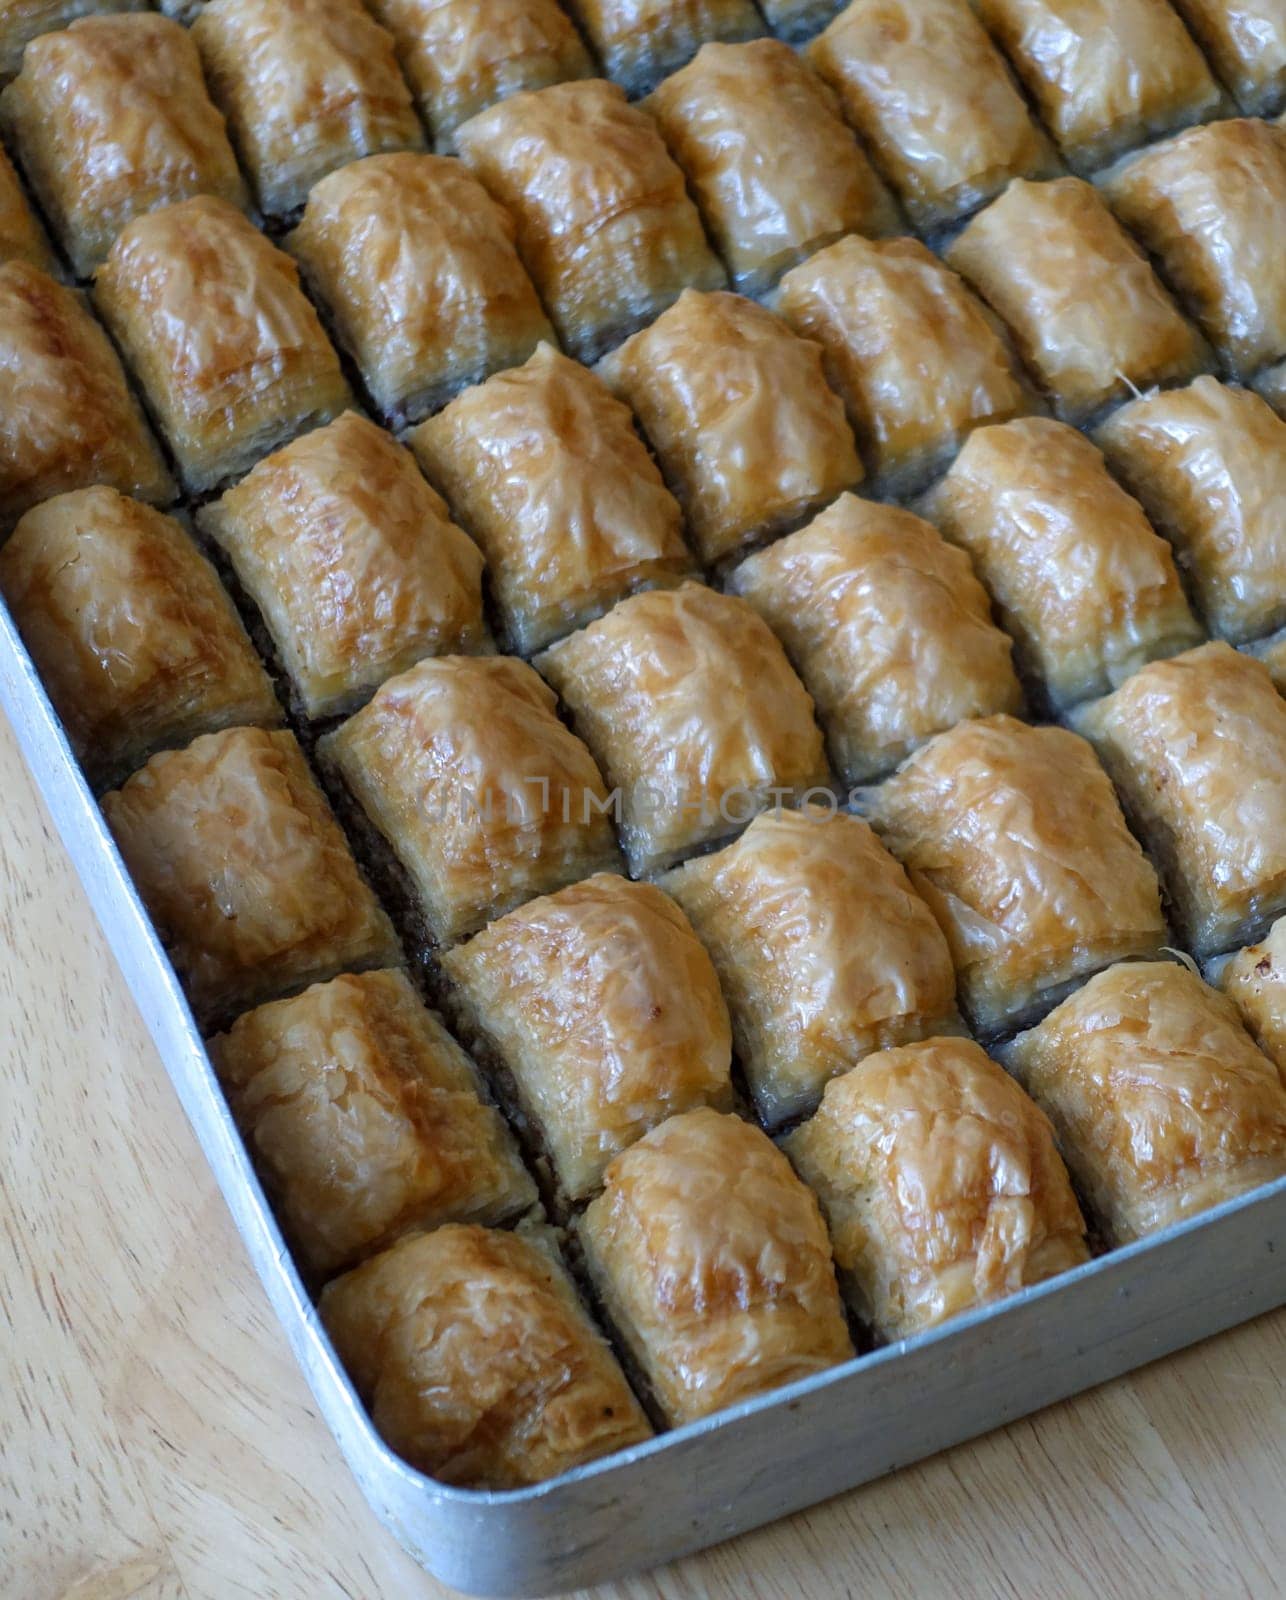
x=1254 y=979
x=24 y=20
x=695 y=714
x=544 y=468
x=1015 y=838
x=737 y=408
x=712 y=1263
x=352 y=562
x=246 y=874
x=824 y=951
x=1245 y=41
x=21 y=236
x=941 y=1184
x=888 y=627
x=640 y=42
x=1161 y=1102
x=601 y=1012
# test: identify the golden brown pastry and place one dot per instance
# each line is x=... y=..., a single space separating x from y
x=477 y=1360
x=1209 y=464
x=916 y=358
x=1245 y=42
x=21 y=236
x=1089 y=316
x=545 y=470
x=640 y=42
x=230 y=355
x=711 y=1260
x=1197 y=746
x=307 y=86
x=24 y=20
x=1015 y=838
x=245 y=871
x=416 y=265
x=823 y=949
x=461 y=56
x=1080 y=580
x=888 y=627
x=111 y=119
x=695 y=715
x=365 y=1118
x=352 y=561
x=737 y=408
x=1161 y=1103
x=605 y=224
x=485 y=798
x=930 y=94
x=67 y=417
x=133 y=634
x=941 y=1184
x=1254 y=979
x=1105 y=74
x=603 y=1015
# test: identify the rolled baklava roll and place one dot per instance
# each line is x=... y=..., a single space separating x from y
x=1245 y=42
x=21 y=21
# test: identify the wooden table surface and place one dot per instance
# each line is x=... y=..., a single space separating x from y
x=158 y=1443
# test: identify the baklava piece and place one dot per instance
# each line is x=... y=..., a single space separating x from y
x=230 y=355
x=1162 y=1105
x=133 y=634
x=941 y=1184
x=1015 y=838
x=1209 y=464
x=245 y=871
x=366 y=1119
x=21 y=236
x=352 y=562
x=24 y=20
x=917 y=360
x=695 y=715
x=601 y=1012
x=481 y=793
x=477 y=1360
x=1105 y=74
x=640 y=42
x=1245 y=41
x=711 y=1261
x=888 y=627
x=1089 y=315
x=544 y=468
x=110 y=119
x=1254 y=979
x=1086 y=588
x=1197 y=746
x=737 y=408
x=824 y=952
x=415 y=264
x=605 y=224
x=67 y=417
x=932 y=97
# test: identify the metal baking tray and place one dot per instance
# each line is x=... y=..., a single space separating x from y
x=745 y=1466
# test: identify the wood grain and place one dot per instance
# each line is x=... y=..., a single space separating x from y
x=158 y=1443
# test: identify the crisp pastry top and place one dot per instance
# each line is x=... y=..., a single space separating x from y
x=941 y=1184
x=823 y=949
x=1081 y=581
x=67 y=417
x=1014 y=836
x=1209 y=464
x=484 y=795
x=1089 y=314
x=738 y=410
x=352 y=561
x=135 y=638
x=1105 y=74
x=417 y=265
x=1209 y=205
x=695 y=714
x=544 y=467
x=461 y=56
x=21 y=236
x=365 y=1117
x=24 y=20
x=640 y=42
x=605 y=224
x=112 y=119
x=1254 y=979
x=1245 y=41
x=605 y=1013
x=930 y=94
x=1162 y=1104
x=918 y=361
x=712 y=1260
x=477 y=1360
x=245 y=871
